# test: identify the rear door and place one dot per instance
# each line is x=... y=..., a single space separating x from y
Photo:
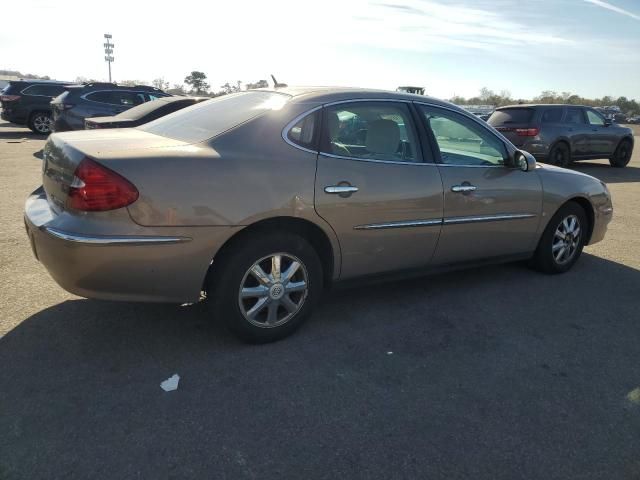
x=490 y=210
x=511 y=122
x=601 y=140
x=376 y=188
x=578 y=131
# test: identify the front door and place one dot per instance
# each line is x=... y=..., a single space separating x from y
x=376 y=189
x=490 y=210
x=601 y=141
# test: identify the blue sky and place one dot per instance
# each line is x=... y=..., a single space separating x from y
x=588 y=47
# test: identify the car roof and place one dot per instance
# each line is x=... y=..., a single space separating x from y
x=321 y=95
x=42 y=82
x=540 y=105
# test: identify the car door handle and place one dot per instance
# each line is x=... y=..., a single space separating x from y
x=463 y=188
x=341 y=189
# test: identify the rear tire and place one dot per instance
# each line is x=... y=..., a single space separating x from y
x=622 y=155
x=560 y=155
x=256 y=304
x=40 y=123
x=562 y=241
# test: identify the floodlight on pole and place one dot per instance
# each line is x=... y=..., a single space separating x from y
x=108 y=50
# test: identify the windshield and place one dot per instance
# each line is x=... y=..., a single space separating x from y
x=209 y=119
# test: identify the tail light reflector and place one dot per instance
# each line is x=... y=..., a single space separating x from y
x=9 y=98
x=527 y=132
x=97 y=189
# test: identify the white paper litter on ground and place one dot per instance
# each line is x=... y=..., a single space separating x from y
x=170 y=383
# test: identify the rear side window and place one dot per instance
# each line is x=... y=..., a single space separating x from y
x=213 y=117
x=510 y=115
x=101 y=97
x=118 y=97
x=304 y=132
x=552 y=115
x=574 y=115
x=44 y=90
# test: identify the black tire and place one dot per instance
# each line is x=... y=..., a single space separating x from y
x=622 y=155
x=560 y=155
x=40 y=123
x=544 y=258
x=231 y=273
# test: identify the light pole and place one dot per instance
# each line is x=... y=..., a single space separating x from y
x=108 y=52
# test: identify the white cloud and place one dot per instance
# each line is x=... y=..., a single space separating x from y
x=613 y=8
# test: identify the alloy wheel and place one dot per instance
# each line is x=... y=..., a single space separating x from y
x=273 y=290
x=566 y=240
x=42 y=123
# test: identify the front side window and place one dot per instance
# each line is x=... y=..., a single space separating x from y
x=461 y=140
x=594 y=118
x=574 y=115
x=303 y=133
x=370 y=130
x=44 y=90
x=124 y=97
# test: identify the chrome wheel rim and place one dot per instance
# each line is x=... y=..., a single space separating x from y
x=273 y=290
x=566 y=240
x=42 y=123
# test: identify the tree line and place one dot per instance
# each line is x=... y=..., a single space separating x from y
x=627 y=106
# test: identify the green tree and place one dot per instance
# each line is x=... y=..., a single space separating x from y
x=197 y=81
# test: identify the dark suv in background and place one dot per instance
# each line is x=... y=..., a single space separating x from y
x=97 y=100
x=559 y=134
x=27 y=102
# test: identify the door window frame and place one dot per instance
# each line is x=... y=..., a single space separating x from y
x=421 y=159
x=433 y=142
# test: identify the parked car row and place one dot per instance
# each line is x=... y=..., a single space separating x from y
x=49 y=106
x=262 y=199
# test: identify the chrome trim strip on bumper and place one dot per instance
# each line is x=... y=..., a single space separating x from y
x=403 y=224
x=488 y=218
x=446 y=221
x=112 y=240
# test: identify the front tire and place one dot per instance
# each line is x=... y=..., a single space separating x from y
x=562 y=241
x=622 y=155
x=266 y=286
x=560 y=155
x=40 y=123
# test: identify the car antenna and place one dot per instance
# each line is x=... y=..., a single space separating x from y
x=276 y=84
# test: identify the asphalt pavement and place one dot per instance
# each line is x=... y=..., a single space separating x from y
x=491 y=373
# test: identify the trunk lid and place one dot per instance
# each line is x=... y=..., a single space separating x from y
x=63 y=153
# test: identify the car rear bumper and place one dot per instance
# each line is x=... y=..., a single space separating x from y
x=144 y=265
x=12 y=117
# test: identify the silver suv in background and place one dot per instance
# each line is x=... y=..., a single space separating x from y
x=560 y=134
x=97 y=100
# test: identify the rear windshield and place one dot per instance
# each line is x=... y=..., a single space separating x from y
x=141 y=110
x=211 y=118
x=510 y=115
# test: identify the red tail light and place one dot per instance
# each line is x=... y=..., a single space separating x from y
x=96 y=189
x=527 y=132
x=9 y=98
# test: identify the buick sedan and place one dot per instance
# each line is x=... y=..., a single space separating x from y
x=259 y=200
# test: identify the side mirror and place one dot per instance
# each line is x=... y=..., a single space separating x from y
x=608 y=122
x=524 y=161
